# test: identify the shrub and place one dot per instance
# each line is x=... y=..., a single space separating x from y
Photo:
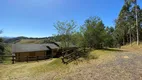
x=93 y=56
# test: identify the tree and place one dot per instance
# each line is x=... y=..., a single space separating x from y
x=136 y=15
x=94 y=32
x=65 y=31
x=1 y=46
x=136 y=10
x=127 y=28
x=108 y=40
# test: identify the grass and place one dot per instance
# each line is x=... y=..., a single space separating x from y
x=133 y=47
x=49 y=69
x=101 y=52
x=55 y=65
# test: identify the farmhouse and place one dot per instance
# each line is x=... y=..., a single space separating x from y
x=34 y=51
x=24 y=52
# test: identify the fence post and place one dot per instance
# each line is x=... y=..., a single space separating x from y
x=27 y=59
x=37 y=58
x=44 y=57
x=12 y=59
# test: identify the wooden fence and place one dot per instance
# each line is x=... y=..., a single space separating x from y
x=27 y=58
x=70 y=55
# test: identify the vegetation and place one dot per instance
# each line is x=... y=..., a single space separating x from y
x=65 y=30
x=94 y=34
x=2 y=49
x=128 y=25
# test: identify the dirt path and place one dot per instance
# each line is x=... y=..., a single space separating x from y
x=125 y=66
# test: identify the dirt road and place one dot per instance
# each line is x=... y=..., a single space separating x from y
x=125 y=66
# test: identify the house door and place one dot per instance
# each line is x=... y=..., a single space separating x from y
x=49 y=53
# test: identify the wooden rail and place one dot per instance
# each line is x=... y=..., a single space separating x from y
x=70 y=55
x=27 y=58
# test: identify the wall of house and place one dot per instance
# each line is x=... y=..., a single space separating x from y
x=22 y=56
x=54 y=52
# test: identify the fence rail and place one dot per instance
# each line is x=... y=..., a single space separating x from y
x=26 y=58
x=70 y=55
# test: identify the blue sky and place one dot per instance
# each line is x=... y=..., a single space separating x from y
x=35 y=18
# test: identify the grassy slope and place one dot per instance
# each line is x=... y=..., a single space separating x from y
x=134 y=47
x=50 y=69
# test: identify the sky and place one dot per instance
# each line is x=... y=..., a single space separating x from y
x=35 y=18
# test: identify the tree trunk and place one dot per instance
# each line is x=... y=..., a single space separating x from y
x=123 y=40
x=137 y=28
x=130 y=37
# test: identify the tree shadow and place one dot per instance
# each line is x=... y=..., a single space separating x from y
x=113 y=50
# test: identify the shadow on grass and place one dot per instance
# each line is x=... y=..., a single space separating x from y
x=114 y=50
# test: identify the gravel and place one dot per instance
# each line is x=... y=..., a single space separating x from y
x=125 y=66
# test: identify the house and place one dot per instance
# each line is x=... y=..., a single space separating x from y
x=29 y=52
x=34 y=51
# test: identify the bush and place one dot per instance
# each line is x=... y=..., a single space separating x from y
x=88 y=55
x=93 y=56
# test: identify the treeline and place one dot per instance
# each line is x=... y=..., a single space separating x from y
x=94 y=34
x=17 y=39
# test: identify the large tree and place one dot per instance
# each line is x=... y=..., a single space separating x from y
x=94 y=33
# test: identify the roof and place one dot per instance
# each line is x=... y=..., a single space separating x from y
x=51 y=45
x=37 y=47
x=62 y=45
x=28 y=47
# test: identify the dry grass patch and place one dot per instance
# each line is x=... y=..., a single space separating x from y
x=133 y=48
x=51 y=69
x=55 y=65
x=103 y=52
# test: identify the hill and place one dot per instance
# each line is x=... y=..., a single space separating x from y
x=24 y=40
